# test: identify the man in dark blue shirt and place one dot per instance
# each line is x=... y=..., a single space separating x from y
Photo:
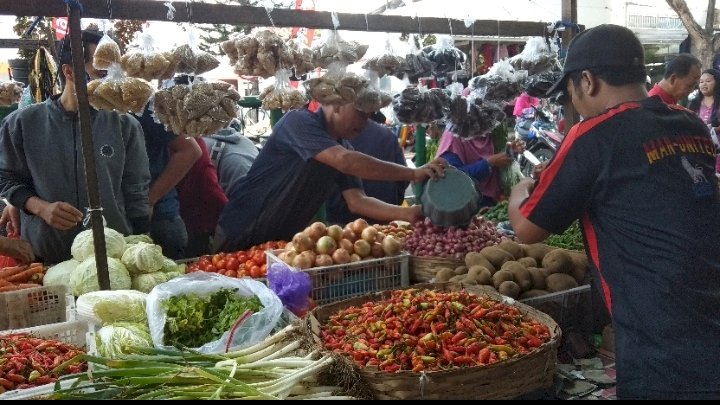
x=305 y=157
x=640 y=176
x=377 y=141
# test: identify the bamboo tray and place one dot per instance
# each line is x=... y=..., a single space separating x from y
x=503 y=380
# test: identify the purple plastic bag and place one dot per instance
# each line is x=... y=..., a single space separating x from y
x=293 y=287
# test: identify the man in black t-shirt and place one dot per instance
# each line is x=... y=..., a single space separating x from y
x=639 y=174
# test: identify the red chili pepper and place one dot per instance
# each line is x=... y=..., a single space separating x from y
x=458 y=337
x=534 y=342
x=484 y=356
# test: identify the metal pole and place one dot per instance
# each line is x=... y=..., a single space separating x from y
x=420 y=152
x=87 y=147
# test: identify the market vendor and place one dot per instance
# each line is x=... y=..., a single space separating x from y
x=41 y=169
x=639 y=174
x=681 y=77
x=304 y=158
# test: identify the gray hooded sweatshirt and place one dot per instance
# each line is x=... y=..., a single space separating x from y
x=41 y=155
x=232 y=154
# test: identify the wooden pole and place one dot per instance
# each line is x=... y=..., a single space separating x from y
x=569 y=14
x=420 y=151
x=88 y=149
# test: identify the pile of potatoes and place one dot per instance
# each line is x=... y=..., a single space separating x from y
x=520 y=271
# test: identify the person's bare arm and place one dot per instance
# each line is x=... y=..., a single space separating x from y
x=59 y=214
x=183 y=154
x=524 y=229
x=360 y=204
x=369 y=168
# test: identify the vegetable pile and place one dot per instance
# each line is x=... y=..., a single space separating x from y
x=193 y=321
x=570 y=239
x=27 y=361
x=243 y=263
x=497 y=213
x=452 y=243
x=21 y=277
x=271 y=369
x=424 y=330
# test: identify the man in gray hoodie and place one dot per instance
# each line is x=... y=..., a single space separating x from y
x=232 y=154
x=42 y=171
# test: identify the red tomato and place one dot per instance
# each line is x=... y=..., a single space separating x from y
x=231 y=273
x=232 y=263
x=242 y=257
x=211 y=269
x=216 y=258
x=220 y=264
x=255 y=272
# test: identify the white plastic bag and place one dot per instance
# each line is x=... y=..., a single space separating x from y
x=256 y=328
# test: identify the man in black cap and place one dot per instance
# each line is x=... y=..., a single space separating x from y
x=639 y=174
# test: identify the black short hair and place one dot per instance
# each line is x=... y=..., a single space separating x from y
x=613 y=76
x=681 y=64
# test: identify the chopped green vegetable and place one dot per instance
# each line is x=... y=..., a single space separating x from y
x=193 y=321
x=570 y=239
x=498 y=213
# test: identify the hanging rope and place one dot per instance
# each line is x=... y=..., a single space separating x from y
x=367 y=24
x=268 y=10
x=109 y=6
x=188 y=8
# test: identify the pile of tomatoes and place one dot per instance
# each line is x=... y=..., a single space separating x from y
x=243 y=263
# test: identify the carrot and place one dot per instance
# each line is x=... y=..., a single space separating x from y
x=16 y=287
x=11 y=271
x=25 y=275
x=4 y=283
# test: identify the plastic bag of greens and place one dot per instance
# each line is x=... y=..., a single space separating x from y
x=187 y=297
x=509 y=177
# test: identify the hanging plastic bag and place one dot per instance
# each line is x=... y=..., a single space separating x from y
x=387 y=63
x=252 y=330
x=191 y=60
x=106 y=53
x=332 y=48
x=473 y=116
x=281 y=95
x=302 y=56
x=446 y=56
x=324 y=89
x=536 y=57
x=370 y=98
x=420 y=105
x=119 y=92
x=145 y=62
x=500 y=84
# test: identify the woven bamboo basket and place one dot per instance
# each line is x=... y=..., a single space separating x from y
x=423 y=269
x=503 y=380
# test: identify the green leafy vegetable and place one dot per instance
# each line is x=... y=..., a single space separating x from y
x=193 y=321
x=570 y=239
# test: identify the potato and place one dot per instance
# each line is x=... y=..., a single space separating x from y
x=512 y=247
x=528 y=262
x=521 y=274
x=560 y=282
x=457 y=279
x=533 y=293
x=558 y=261
x=579 y=265
x=496 y=256
x=443 y=275
x=480 y=274
x=460 y=270
x=474 y=258
x=537 y=251
x=500 y=276
x=510 y=289
x=538 y=278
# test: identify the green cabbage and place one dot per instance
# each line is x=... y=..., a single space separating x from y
x=83 y=247
x=59 y=274
x=85 y=279
x=106 y=307
x=133 y=239
x=143 y=257
x=146 y=282
x=169 y=266
x=113 y=340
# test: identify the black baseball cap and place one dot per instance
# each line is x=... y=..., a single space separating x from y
x=88 y=36
x=603 y=46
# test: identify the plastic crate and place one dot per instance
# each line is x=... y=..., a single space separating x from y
x=35 y=306
x=342 y=281
x=571 y=309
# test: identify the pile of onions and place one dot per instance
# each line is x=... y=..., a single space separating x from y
x=429 y=240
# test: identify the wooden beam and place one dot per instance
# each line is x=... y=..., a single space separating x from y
x=21 y=43
x=259 y=16
x=569 y=14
